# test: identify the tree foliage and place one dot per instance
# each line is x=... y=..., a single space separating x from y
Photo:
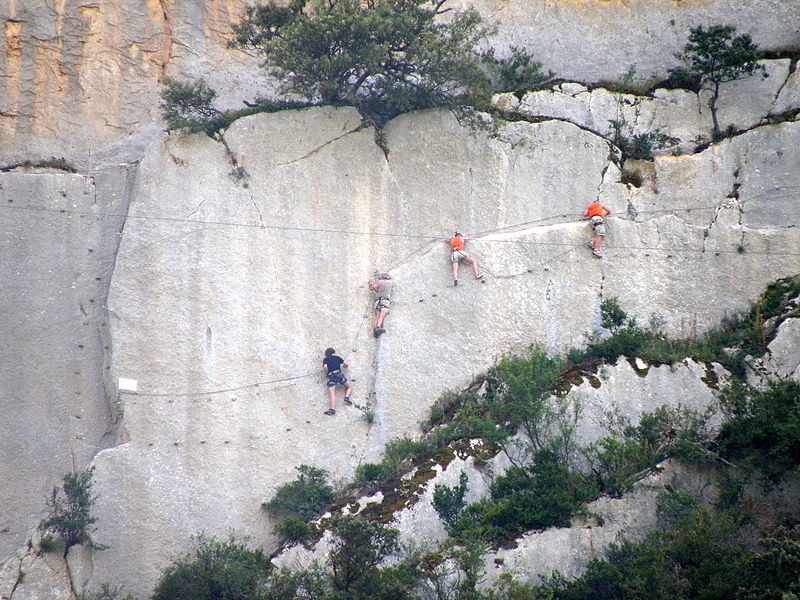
x=514 y=73
x=715 y=56
x=214 y=570
x=300 y=501
x=359 y=546
x=70 y=510
x=763 y=429
x=384 y=57
x=449 y=501
x=187 y=104
x=305 y=497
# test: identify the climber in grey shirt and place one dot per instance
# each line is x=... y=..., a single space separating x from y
x=382 y=286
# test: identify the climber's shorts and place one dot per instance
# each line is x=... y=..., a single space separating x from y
x=457 y=256
x=598 y=226
x=335 y=379
x=382 y=304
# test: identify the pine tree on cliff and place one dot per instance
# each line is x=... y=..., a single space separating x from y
x=714 y=56
x=384 y=57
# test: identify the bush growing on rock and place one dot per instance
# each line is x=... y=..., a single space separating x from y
x=71 y=511
x=763 y=429
x=516 y=73
x=188 y=104
x=214 y=570
x=359 y=546
x=612 y=317
x=449 y=501
x=300 y=501
x=397 y=458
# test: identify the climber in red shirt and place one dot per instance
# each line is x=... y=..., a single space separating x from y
x=458 y=254
x=597 y=212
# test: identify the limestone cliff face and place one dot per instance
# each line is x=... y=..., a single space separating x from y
x=217 y=288
x=227 y=289
x=80 y=80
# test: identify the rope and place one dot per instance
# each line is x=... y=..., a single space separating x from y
x=214 y=392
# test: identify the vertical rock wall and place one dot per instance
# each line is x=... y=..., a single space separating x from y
x=212 y=295
x=228 y=288
x=58 y=240
x=81 y=80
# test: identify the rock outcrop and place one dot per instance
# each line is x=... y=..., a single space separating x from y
x=625 y=389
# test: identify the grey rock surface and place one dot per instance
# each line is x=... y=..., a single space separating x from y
x=58 y=240
x=81 y=80
x=228 y=288
x=789 y=95
x=239 y=265
x=596 y=40
x=783 y=358
x=568 y=550
x=679 y=114
x=33 y=576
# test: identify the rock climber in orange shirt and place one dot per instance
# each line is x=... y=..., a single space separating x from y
x=458 y=254
x=597 y=212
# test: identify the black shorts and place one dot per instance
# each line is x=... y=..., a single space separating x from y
x=335 y=379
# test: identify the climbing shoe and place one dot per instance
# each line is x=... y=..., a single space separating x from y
x=455 y=282
x=596 y=254
x=376 y=332
x=330 y=411
x=347 y=400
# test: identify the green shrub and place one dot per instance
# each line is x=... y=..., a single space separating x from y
x=49 y=543
x=544 y=493
x=682 y=78
x=626 y=341
x=701 y=559
x=373 y=473
x=70 y=511
x=294 y=530
x=516 y=73
x=619 y=460
x=358 y=548
x=774 y=573
x=763 y=430
x=714 y=56
x=637 y=146
x=188 y=104
x=612 y=317
x=305 y=498
x=449 y=501
x=404 y=448
x=399 y=455
x=676 y=509
x=214 y=570
x=617 y=464
x=106 y=592
x=286 y=584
